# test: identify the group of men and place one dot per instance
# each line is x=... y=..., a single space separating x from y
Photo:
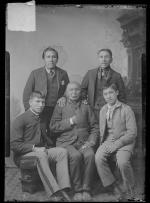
x=77 y=126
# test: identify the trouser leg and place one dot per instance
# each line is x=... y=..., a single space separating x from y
x=45 y=118
x=60 y=156
x=75 y=166
x=89 y=168
x=45 y=173
x=103 y=168
x=124 y=165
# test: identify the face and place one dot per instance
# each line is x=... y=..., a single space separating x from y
x=73 y=92
x=50 y=59
x=104 y=59
x=37 y=104
x=110 y=95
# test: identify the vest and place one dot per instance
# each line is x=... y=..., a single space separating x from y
x=109 y=133
x=52 y=90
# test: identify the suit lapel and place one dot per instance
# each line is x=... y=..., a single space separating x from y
x=43 y=79
x=93 y=83
x=109 y=75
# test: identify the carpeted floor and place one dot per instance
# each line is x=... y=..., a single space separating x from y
x=13 y=190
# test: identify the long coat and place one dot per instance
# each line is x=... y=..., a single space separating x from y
x=37 y=81
x=89 y=83
x=124 y=127
x=86 y=129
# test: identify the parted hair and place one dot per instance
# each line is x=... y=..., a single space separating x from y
x=37 y=94
x=113 y=86
x=49 y=49
x=108 y=50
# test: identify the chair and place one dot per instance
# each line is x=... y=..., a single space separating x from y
x=30 y=179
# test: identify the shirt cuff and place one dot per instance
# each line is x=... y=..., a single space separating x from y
x=71 y=121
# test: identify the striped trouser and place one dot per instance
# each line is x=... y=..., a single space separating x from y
x=59 y=155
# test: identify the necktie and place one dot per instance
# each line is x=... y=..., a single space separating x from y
x=101 y=73
x=52 y=73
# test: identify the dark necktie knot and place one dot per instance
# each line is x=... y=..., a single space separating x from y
x=52 y=73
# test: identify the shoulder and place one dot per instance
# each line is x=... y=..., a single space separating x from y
x=41 y=69
x=126 y=108
x=37 y=71
x=91 y=73
x=103 y=108
x=20 y=119
x=115 y=73
x=92 y=70
x=61 y=70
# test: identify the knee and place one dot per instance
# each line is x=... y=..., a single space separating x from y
x=62 y=152
x=122 y=163
x=99 y=157
x=41 y=155
x=75 y=157
x=89 y=155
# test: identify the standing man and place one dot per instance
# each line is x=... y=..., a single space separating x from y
x=95 y=79
x=77 y=130
x=51 y=81
x=27 y=140
x=118 y=132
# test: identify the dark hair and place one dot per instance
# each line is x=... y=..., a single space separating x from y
x=113 y=86
x=49 y=49
x=108 y=50
x=37 y=94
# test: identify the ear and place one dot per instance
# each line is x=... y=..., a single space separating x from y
x=30 y=102
x=117 y=92
x=111 y=60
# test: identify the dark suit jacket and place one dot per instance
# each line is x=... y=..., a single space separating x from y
x=37 y=81
x=89 y=82
x=86 y=129
x=24 y=134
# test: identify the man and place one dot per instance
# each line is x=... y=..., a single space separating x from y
x=77 y=129
x=95 y=79
x=27 y=140
x=118 y=131
x=51 y=81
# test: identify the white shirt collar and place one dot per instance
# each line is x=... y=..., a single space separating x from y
x=48 y=70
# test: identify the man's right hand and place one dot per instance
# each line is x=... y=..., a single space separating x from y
x=62 y=101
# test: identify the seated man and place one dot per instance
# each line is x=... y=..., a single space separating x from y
x=77 y=131
x=117 y=138
x=27 y=140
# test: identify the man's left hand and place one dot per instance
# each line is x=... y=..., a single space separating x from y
x=85 y=146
